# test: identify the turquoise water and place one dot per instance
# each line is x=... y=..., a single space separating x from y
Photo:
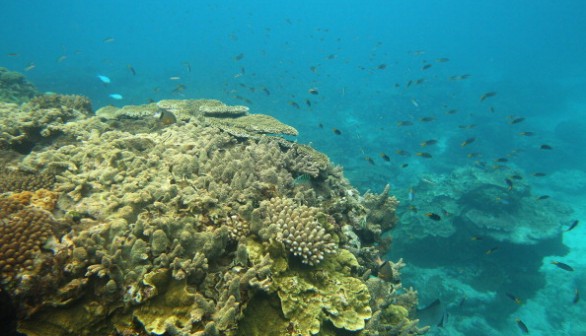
x=360 y=59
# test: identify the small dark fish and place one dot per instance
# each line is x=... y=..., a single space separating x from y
x=320 y=125
x=294 y=104
x=546 y=147
x=404 y=123
x=509 y=184
x=516 y=177
x=313 y=91
x=385 y=157
x=419 y=81
x=475 y=238
x=381 y=66
x=336 y=131
x=409 y=83
x=542 y=197
x=527 y=133
x=108 y=40
x=522 y=326
x=426 y=119
x=266 y=91
x=502 y=160
x=131 y=68
x=369 y=160
x=433 y=216
x=12 y=54
x=515 y=298
x=467 y=126
x=467 y=142
x=308 y=102
x=239 y=57
x=573 y=225
x=424 y=155
x=402 y=152
x=473 y=155
x=313 y=68
x=404 y=165
x=491 y=251
x=452 y=111
x=539 y=174
x=442 y=60
x=563 y=266
x=332 y=56
x=487 y=95
x=516 y=121
x=427 y=66
x=576 y=296
x=430 y=142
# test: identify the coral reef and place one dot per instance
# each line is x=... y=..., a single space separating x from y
x=14 y=88
x=17 y=181
x=180 y=230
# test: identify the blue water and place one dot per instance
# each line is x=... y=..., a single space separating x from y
x=360 y=57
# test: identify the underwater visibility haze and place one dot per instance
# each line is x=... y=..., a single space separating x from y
x=292 y=168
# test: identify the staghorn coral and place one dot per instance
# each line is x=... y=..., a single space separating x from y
x=298 y=228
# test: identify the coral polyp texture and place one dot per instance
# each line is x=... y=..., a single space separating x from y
x=186 y=228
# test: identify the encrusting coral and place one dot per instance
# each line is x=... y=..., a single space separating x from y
x=178 y=230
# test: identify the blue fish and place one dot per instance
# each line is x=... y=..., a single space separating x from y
x=104 y=79
x=116 y=96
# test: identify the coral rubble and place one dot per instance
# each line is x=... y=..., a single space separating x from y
x=186 y=229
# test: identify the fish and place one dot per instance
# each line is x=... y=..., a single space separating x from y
x=475 y=238
x=404 y=123
x=424 y=155
x=313 y=69
x=165 y=117
x=308 y=102
x=30 y=67
x=131 y=68
x=467 y=142
x=419 y=81
x=576 y=298
x=522 y=326
x=427 y=66
x=239 y=57
x=369 y=160
x=515 y=120
x=516 y=177
x=336 y=131
x=294 y=104
x=539 y=174
x=563 y=266
x=459 y=77
x=452 y=111
x=404 y=165
x=381 y=66
x=442 y=60
x=320 y=125
x=116 y=96
x=187 y=66
x=430 y=142
x=491 y=251
x=433 y=216
x=12 y=54
x=426 y=119
x=515 y=298
x=332 y=56
x=179 y=89
x=414 y=102
x=385 y=271
x=527 y=133
x=174 y=78
x=542 y=197
x=467 y=126
x=303 y=179
x=411 y=195
x=402 y=152
x=266 y=91
x=108 y=40
x=61 y=58
x=509 y=184
x=473 y=155
x=104 y=79
x=313 y=91
x=572 y=225
x=546 y=147
x=487 y=95
x=502 y=160
x=385 y=157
